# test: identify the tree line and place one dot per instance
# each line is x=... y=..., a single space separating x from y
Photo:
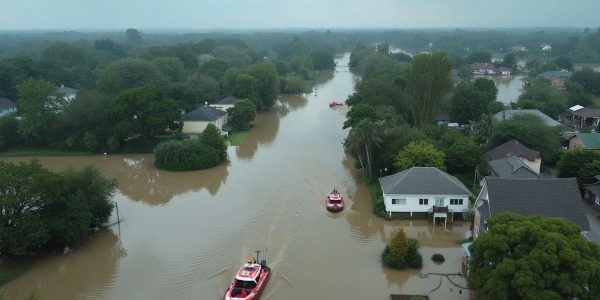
x=131 y=94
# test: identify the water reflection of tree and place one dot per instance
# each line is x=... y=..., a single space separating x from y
x=85 y=273
x=141 y=181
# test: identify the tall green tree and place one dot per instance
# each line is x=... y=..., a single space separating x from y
x=579 y=163
x=420 y=154
x=471 y=100
x=246 y=88
x=170 y=68
x=267 y=82
x=243 y=112
x=427 y=82
x=127 y=73
x=358 y=113
x=361 y=140
x=534 y=258
x=143 y=112
x=133 y=36
x=541 y=95
x=212 y=136
x=322 y=60
x=39 y=104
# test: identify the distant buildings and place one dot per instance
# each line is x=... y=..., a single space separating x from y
x=69 y=94
x=195 y=121
x=558 y=79
x=489 y=69
x=580 y=117
x=514 y=148
x=7 y=106
x=508 y=114
x=584 y=140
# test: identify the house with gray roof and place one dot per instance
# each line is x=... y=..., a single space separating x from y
x=529 y=157
x=508 y=114
x=511 y=167
x=548 y=197
x=195 y=121
x=7 y=106
x=580 y=117
x=420 y=189
x=226 y=103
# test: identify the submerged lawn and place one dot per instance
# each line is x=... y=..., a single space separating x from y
x=236 y=139
x=12 y=272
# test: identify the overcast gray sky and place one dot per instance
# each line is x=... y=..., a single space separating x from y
x=235 y=14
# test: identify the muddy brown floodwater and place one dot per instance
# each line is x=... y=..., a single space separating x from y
x=184 y=235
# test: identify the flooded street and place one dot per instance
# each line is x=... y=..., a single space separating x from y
x=185 y=235
x=509 y=87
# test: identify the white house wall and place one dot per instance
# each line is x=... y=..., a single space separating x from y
x=412 y=203
x=196 y=127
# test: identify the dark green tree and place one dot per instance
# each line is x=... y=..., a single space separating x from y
x=143 y=112
x=564 y=63
x=509 y=60
x=170 y=68
x=471 y=100
x=127 y=73
x=9 y=133
x=479 y=57
x=541 y=95
x=534 y=258
x=572 y=163
x=39 y=104
x=212 y=137
x=246 y=88
x=427 y=82
x=243 y=112
x=322 y=60
x=358 y=113
x=133 y=36
x=267 y=83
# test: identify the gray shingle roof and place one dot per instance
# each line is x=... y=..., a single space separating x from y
x=509 y=113
x=550 y=197
x=511 y=148
x=6 y=103
x=423 y=181
x=204 y=113
x=587 y=112
x=229 y=100
x=594 y=188
x=511 y=167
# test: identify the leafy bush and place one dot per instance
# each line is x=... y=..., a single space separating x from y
x=438 y=258
x=412 y=259
x=399 y=244
x=212 y=136
x=185 y=155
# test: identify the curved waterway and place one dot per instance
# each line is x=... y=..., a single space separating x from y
x=184 y=235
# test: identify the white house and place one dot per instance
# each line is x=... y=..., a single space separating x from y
x=196 y=120
x=419 y=189
x=69 y=94
x=7 y=106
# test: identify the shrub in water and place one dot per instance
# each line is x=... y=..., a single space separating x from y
x=412 y=258
x=438 y=258
x=185 y=155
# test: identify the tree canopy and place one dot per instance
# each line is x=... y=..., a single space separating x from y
x=534 y=258
x=427 y=82
x=420 y=154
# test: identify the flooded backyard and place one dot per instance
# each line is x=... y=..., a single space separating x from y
x=184 y=235
x=509 y=87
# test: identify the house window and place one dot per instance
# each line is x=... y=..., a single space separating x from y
x=424 y=201
x=399 y=201
x=456 y=201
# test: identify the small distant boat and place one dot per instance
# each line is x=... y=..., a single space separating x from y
x=335 y=103
x=249 y=281
x=335 y=201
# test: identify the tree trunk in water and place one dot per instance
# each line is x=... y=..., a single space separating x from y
x=368 y=160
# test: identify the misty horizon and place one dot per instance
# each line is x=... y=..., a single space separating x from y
x=306 y=14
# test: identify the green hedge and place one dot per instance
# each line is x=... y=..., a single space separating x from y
x=412 y=259
x=438 y=258
x=185 y=155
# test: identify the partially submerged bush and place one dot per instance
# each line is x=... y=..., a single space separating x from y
x=185 y=155
x=438 y=258
x=411 y=258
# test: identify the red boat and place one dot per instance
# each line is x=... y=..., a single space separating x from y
x=335 y=103
x=249 y=281
x=335 y=201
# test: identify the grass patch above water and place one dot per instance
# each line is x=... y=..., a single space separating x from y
x=236 y=139
x=39 y=152
x=6 y=275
